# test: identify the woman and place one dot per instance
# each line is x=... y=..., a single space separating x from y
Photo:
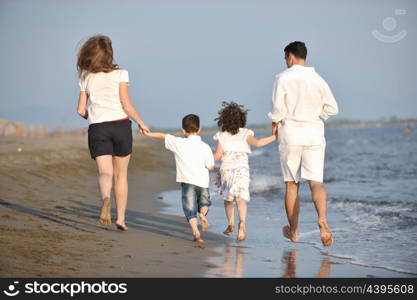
x=105 y=102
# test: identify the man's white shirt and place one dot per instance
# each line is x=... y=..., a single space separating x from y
x=300 y=99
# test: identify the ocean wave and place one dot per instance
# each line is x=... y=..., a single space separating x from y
x=264 y=183
x=377 y=214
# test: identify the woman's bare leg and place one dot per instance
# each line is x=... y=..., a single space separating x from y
x=121 y=165
x=105 y=181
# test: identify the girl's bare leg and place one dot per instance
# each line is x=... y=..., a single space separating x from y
x=229 y=208
x=242 y=208
x=105 y=181
x=121 y=165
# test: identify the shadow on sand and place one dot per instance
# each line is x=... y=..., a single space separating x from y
x=70 y=216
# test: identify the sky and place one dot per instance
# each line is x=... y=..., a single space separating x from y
x=187 y=56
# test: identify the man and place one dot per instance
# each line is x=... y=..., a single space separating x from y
x=301 y=98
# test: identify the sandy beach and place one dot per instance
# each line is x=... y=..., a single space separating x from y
x=49 y=207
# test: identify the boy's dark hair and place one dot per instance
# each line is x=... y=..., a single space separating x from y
x=298 y=49
x=191 y=123
x=231 y=117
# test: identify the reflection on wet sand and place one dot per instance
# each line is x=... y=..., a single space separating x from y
x=233 y=262
x=234 y=258
x=289 y=265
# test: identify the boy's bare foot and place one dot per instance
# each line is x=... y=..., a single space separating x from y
x=292 y=236
x=204 y=222
x=241 y=236
x=229 y=230
x=105 y=217
x=198 y=239
x=325 y=233
x=121 y=226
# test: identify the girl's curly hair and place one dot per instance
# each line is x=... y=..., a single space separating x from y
x=231 y=117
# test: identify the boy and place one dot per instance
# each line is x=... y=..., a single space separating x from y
x=193 y=160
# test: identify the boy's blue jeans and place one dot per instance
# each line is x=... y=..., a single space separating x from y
x=193 y=199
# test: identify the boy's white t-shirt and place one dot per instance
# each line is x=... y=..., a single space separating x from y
x=103 y=95
x=192 y=158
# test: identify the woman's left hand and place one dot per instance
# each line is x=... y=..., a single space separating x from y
x=143 y=128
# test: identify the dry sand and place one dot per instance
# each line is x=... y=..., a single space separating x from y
x=49 y=207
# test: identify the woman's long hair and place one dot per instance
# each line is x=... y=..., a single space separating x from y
x=96 y=55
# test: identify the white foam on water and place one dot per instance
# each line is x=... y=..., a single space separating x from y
x=373 y=215
x=257 y=152
x=262 y=182
x=356 y=261
x=308 y=233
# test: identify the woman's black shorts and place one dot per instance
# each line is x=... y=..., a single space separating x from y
x=110 y=138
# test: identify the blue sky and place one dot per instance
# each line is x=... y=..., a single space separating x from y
x=188 y=56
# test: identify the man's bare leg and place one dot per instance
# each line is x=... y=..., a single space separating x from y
x=319 y=197
x=292 y=207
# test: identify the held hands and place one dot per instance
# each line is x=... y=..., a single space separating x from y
x=148 y=133
x=274 y=128
x=144 y=129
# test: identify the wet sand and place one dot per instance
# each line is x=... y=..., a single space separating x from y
x=49 y=208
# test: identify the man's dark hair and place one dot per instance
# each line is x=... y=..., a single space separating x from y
x=298 y=49
x=191 y=123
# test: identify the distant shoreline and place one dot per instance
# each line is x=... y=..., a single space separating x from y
x=330 y=125
x=15 y=128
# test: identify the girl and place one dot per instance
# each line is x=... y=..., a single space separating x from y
x=104 y=100
x=233 y=147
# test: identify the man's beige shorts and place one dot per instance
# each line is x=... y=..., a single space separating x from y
x=302 y=162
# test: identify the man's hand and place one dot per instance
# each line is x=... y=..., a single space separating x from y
x=274 y=127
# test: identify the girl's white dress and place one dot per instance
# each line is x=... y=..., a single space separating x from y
x=234 y=169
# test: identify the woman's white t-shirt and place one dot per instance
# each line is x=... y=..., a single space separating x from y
x=103 y=95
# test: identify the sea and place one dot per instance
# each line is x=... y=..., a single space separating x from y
x=371 y=179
